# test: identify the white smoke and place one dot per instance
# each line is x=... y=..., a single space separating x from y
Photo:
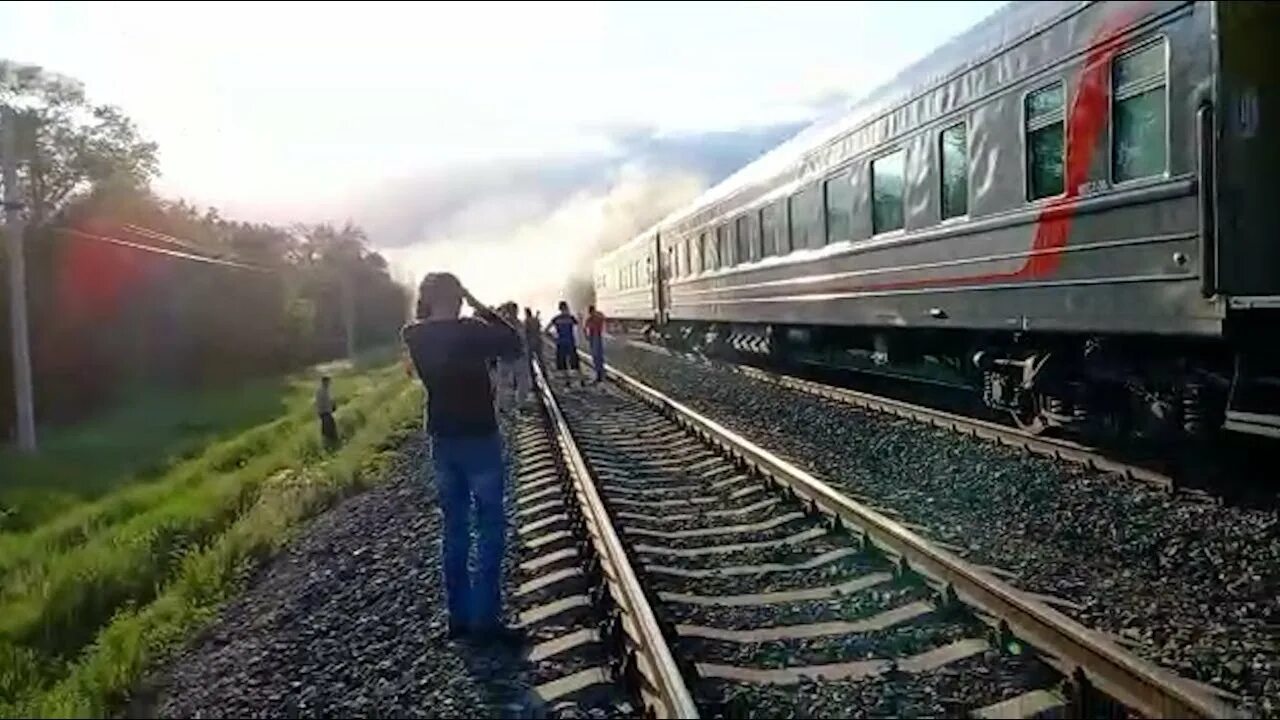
x=535 y=263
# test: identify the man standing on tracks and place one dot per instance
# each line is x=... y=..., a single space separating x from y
x=564 y=325
x=452 y=356
x=594 y=326
x=513 y=376
x=532 y=334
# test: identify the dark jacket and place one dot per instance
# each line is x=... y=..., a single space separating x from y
x=452 y=359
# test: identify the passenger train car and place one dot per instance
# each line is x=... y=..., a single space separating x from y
x=1072 y=205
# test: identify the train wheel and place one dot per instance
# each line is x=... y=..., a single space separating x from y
x=1029 y=417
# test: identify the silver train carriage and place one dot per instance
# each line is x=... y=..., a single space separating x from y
x=1070 y=206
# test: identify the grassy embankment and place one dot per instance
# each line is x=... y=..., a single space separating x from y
x=99 y=580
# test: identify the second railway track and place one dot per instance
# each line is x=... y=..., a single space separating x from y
x=749 y=588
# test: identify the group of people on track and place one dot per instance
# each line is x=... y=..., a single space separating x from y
x=459 y=361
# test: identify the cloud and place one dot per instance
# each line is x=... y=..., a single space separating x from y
x=533 y=262
x=523 y=228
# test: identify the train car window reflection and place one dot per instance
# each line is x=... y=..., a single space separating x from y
x=774 y=228
x=954 y=154
x=887 y=175
x=1046 y=141
x=839 y=197
x=807 y=225
x=1138 y=114
x=708 y=252
x=742 y=239
x=722 y=246
x=758 y=250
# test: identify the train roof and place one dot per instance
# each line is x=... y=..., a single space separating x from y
x=627 y=246
x=999 y=31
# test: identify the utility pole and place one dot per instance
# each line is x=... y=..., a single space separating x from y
x=349 y=312
x=15 y=229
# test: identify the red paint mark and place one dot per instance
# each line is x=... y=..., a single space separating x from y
x=1085 y=124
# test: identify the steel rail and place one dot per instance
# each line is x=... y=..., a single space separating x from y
x=1075 y=649
x=1058 y=448
x=663 y=690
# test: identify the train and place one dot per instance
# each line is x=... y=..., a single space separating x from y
x=1068 y=209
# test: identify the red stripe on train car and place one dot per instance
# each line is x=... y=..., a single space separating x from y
x=1085 y=123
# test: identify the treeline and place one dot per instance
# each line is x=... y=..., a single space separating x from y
x=126 y=288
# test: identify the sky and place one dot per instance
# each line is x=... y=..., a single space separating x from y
x=466 y=125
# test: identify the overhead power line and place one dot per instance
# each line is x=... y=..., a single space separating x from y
x=178 y=254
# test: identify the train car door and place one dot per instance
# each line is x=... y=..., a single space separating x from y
x=1248 y=153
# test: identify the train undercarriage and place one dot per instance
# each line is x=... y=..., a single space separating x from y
x=1097 y=388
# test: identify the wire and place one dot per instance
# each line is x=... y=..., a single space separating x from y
x=161 y=237
x=164 y=251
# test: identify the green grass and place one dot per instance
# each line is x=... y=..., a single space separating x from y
x=82 y=521
x=146 y=436
x=127 y=575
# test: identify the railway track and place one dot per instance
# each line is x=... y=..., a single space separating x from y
x=1058 y=448
x=731 y=583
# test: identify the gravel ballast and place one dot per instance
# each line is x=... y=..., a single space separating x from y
x=842 y=670
x=350 y=621
x=1194 y=586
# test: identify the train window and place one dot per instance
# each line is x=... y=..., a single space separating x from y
x=1046 y=136
x=708 y=252
x=774 y=229
x=758 y=250
x=887 y=176
x=839 y=196
x=722 y=245
x=1138 y=113
x=741 y=241
x=954 y=153
x=808 y=228
x=745 y=236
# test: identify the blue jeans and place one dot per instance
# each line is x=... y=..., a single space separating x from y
x=597 y=354
x=467 y=468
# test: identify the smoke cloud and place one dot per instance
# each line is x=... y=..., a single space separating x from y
x=537 y=262
x=529 y=231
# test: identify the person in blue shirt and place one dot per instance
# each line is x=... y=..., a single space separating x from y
x=451 y=355
x=564 y=325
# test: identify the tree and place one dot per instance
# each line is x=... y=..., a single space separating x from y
x=162 y=308
x=69 y=143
